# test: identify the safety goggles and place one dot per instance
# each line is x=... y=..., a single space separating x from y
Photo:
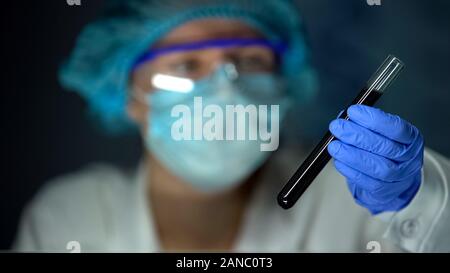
x=208 y=66
x=248 y=53
x=197 y=60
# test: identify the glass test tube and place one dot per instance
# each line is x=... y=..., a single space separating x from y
x=319 y=157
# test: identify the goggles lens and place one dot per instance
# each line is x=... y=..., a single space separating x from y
x=197 y=60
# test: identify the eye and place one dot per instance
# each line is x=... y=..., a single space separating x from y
x=185 y=68
x=254 y=63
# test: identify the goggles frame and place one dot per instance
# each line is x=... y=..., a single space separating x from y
x=278 y=48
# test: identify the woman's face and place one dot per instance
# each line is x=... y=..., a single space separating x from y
x=197 y=64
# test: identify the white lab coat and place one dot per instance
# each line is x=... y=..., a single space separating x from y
x=105 y=209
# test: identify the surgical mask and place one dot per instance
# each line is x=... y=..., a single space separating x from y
x=212 y=165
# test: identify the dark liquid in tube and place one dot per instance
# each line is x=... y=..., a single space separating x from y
x=318 y=158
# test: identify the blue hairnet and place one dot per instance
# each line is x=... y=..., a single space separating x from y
x=100 y=65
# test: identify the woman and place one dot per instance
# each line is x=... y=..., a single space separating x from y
x=143 y=59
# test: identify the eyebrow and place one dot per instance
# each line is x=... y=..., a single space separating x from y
x=278 y=47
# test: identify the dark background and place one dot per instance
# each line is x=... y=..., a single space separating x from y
x=44 y=132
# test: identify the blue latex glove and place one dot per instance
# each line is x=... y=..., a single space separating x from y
x=381 y=155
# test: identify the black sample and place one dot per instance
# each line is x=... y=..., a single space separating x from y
x=319 y=157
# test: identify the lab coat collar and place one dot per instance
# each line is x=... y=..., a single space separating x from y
x=266 y=226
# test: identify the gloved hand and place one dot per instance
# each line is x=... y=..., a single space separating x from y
x=380 y=154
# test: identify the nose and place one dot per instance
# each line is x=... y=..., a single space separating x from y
x=222 y=62
x=224 y=77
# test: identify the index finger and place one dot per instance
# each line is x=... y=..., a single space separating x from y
x=388 y=125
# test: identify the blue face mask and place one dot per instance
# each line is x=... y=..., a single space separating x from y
x=212 y=165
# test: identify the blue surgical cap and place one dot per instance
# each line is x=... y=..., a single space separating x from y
x=100 y=64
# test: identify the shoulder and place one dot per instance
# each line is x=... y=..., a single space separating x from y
x=75 y=207
x=83 y=185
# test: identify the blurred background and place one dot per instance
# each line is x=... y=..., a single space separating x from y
x=45 y=132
